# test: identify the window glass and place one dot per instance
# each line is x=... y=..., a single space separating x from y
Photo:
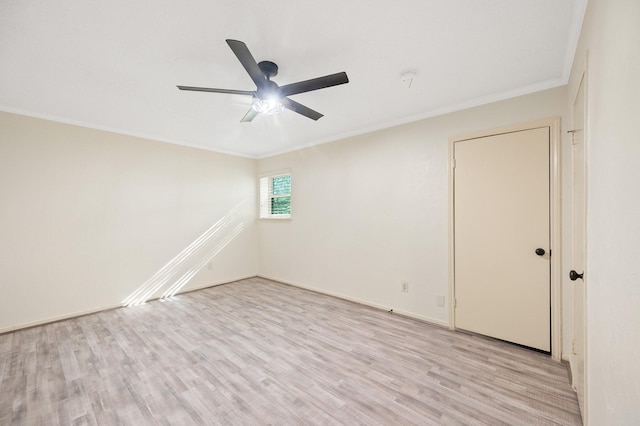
x=282 y=185
x=275 y=196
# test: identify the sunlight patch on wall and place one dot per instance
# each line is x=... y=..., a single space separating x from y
x=181 y=269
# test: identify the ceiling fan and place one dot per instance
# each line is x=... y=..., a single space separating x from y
x=270 y=98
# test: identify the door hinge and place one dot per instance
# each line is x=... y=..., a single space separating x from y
x=573 y=346
x=453 y=163
x=455 y=302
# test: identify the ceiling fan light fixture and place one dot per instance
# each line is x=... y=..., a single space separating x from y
x=269 y=98
x=267 y=106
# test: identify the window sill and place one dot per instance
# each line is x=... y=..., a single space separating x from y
x=288 y=218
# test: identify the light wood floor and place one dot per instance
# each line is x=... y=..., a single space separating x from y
x=257 y=352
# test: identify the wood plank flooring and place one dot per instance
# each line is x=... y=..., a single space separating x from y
x=256 y=352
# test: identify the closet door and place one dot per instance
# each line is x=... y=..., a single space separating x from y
x=501 y=237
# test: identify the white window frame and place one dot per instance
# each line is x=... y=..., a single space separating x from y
x=265 y=183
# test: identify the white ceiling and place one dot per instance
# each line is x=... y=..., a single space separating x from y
x=114 y=64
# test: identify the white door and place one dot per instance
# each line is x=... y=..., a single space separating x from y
x=501 y=237
x=578 y=209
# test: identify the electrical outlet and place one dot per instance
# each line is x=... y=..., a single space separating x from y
x=405 y=286
x=440 y=301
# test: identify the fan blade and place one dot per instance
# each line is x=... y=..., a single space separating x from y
x=250 y=115
x=246 y=59
x=300 y=109
x=208 y=89
x=314 y=84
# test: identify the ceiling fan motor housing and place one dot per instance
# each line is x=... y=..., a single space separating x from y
x=268 y=91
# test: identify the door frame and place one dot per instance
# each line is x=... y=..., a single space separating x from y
x=555 y=221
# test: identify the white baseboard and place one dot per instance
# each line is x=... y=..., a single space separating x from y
x=56 y=319
x=202 y=287
x=566 y=359
x=317 y=290
x=49 y=320
x=360 y=301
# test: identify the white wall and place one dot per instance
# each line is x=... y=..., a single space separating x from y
x=371 y=211
x=88 y=216
x=611 y=35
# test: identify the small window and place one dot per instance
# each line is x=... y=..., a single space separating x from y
x=275 y=196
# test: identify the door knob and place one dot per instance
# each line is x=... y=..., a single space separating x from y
x=540 y=251
x=573 y=275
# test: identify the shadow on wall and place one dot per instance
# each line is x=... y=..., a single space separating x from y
x=178 y=272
